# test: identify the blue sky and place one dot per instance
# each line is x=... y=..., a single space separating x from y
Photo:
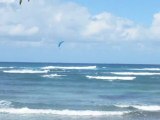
x=94 y=31
x=140 y=11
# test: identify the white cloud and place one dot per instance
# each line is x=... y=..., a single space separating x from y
x=106 y=26
x=18 y=30
x=22 y=30
x=155 y=28
x=7 y=1
x=69 y=21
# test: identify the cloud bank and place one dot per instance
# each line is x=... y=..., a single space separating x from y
x=45 y=22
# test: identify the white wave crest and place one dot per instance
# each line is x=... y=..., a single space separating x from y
x=147 y=69
x=5 y=104
x=61 y=112
x=110 y=78
x=52 y=76
x=6 y=67
x=142 y=107
x=135 y=73
x=70 y=67
x=25 y=71
x=123 y=106
x=148 y=108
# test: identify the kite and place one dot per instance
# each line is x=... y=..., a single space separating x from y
x=20 y=2
x=60 y=43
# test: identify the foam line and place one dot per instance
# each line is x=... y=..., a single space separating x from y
x=25 y=71
x=147 y=69
x=111 y=77
x=142 y=107
x=70 y=67
x=135 y=73
x=52 y=76
x=61 y=112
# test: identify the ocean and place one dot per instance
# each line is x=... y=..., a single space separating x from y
x=61 y=91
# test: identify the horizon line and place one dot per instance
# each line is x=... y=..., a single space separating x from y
x=79 y=63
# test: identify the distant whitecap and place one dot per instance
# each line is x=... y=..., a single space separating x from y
x=142 y=107
x=70 y=67
x=52 y=76
x=135 y=73
x=6 y=67
x=147 y=69
x=25 y=71
x=111 y=77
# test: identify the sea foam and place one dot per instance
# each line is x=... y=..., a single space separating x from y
x=111 y=77
x=52 y=76
x=5 y=104
x=148 y=108
x=70 y=67
x=6 y=67
x=135 y=73
x=25 y=71
x=142 y=107
x=147 y=69
x=61 y=112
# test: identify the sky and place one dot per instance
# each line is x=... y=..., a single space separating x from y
x=93 y=31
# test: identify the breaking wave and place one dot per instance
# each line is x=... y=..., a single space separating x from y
x=142 y=107
x=25 y=71
x=6 y=67
x=52 y=76
x=5 y=104
x=148 y=108
x=110 y=78
x=135 y=73
x=61 y=112
x=70 y=67
x=147 y=69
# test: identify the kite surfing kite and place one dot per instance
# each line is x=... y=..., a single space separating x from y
x=60 y=43
x=20 y=2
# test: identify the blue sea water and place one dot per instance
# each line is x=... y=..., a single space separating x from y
x=56 y=91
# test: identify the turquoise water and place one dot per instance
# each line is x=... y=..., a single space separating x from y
x=38 y=91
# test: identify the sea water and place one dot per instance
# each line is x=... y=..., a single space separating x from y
x=56 y=91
